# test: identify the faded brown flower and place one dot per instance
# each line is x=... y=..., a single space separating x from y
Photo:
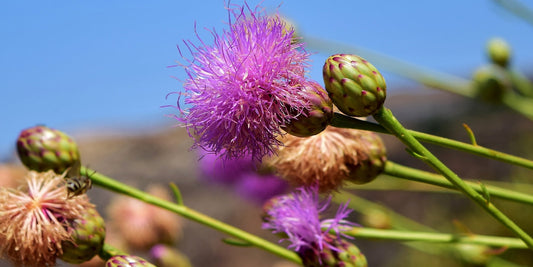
x=34 y=219
x=329 y=158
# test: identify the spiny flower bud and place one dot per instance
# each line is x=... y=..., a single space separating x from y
x=41 y=148
x=355 y=86
x=339 y=253
x=317 y=117
x=127 y=261
x=499 y=52
x=88 y=234
x=491 y=83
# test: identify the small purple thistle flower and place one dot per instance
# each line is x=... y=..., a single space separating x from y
x=298 y=216
x=245 y=86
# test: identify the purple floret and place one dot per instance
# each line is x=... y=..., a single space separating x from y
x=298 y=216
x=245 y=86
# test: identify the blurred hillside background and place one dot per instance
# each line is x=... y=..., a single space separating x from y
x=98 y=71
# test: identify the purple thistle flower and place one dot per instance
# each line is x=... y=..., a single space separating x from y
x=298 y=216
x=245 y=86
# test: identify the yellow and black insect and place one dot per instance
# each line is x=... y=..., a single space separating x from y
x=77 y=183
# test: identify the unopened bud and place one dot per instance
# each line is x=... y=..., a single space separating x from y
x=317 y=117
x=499 y=52
x=41 y=148
x=355 y=86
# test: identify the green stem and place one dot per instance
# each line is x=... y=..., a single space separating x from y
x=401 y=235
x=403 y=172
x=113 y=185
x=343 y=121
x=385 y=117
x=517 y=8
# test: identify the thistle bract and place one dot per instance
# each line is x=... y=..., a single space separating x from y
x=372 y=158
x=88 y=234
x=41 y=148
x=317 y=116
x=354 y=85
x=127 y=261
x=341 y=253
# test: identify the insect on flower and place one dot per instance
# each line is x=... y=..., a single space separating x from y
x=77 y=183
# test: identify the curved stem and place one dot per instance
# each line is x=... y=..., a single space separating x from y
x=407 y=173
x=343 y=121
x=400 y=235
x=116 y=186
x=385 y=117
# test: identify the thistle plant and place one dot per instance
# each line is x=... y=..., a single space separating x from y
x=264 y=129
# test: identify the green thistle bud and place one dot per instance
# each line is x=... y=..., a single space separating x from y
x=355 y=86
x=87 y=238
x=491 y=83
x=345 y=254
x=127 y=261
x=41 y=148
x=371 y=159
x=499 y=52
x=315 y=119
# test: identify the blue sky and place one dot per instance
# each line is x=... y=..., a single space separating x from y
x=102 y=65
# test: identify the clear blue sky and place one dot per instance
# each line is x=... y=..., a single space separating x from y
x=102 y=64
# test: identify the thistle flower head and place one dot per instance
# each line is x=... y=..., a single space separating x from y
x=35 y=221
x=245 y=86
x=298 y=216
x=329 y=158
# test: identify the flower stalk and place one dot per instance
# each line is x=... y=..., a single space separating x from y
x=118 y=187
x=385 y=117
x=408 y=236
x=407 y=173
x=343 y=121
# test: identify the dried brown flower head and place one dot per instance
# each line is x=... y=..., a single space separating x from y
x=35 y=219
x=329 y=158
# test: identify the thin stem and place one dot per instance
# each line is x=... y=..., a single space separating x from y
x=401 y=235
x=343 y=121
x=116 y=186
x=407 y=173
x=518 y=9
x=386 y=118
